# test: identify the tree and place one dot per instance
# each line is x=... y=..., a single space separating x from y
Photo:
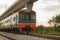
x=51 y=21
x=56 y=21
x=40 y=29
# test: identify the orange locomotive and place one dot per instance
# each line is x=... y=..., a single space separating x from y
x=26 y=21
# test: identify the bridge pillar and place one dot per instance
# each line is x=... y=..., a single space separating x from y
x=29 y=6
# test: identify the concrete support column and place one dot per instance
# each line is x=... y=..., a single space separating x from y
x=29 y=6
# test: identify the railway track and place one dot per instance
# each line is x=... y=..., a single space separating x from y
x=12 y=36
x=45 y=36
x=22 y=37
x=3 y=37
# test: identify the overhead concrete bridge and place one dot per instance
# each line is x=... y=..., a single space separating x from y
x=18 y=5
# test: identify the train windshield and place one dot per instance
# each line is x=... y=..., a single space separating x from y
x=27 y=16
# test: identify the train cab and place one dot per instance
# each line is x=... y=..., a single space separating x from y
x=27 y=21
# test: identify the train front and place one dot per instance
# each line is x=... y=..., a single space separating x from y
x=27 y=21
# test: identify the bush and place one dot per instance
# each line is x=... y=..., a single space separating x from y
x=58 y=29
x=47 y=30
x=39 y=29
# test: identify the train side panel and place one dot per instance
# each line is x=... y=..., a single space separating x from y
x=14 y=20
x=0 y=24
x=7 y=22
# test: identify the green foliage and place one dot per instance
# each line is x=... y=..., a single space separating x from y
x=58 y=29
x=39 y=29
x=47 y=30
x=57 y=19
x=42 y=30
x=56 y=22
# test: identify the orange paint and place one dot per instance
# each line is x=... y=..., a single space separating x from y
x=24 y=25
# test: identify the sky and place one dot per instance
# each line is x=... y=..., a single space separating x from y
x=45 y=9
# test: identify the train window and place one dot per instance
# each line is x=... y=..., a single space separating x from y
x=7 y=21
x=32 y=16
x=14 y=18
x=29 y=16
x=21 y=16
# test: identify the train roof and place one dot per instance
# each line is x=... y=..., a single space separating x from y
x=24 y=10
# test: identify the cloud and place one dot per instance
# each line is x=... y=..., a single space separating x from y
x=1 y=5
x=53 y=8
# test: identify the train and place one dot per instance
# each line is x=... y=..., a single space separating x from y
x=21 y=21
